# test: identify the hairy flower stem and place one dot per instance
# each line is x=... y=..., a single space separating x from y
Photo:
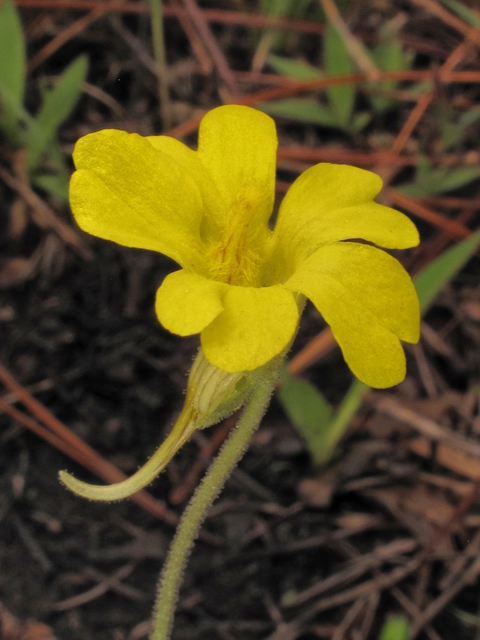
x=205 y=494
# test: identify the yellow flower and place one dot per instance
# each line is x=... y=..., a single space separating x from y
x=241 y=286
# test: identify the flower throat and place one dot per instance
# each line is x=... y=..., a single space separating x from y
x=233 y=260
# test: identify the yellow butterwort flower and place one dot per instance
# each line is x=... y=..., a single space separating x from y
x=241 y=286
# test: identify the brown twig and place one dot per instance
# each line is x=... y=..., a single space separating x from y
x=211 y=44
x=111 y=582
x=456 y=56
x=452 y=21
x=349 y=618
x=392 y=407
x=105 y=98
x=212 y=15
x=64 y=36
x=61 y=437
x=435 y=607
x=370 y=615
x=412 y=121
x=450 y=202
x=369 y=158
x=387 y=173
x=44 y=433
x=31 y=544
x=415 y=75
x=318 y=347
x=296 y=88
x=347 y=156
x=459 y=511
x=48 y=216
x=434 y=246
x=362 y=565
x=198 y=46
x=457 y=567
x=267 y=79
x=385 y=581
x=451 y=227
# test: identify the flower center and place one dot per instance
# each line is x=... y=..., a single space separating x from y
x=233 y=258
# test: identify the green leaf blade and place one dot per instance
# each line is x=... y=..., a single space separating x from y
x=295 y=69
x=388 y=56
x=12 y=71
x=439 y=181
x=397 y=628
x=57 y=106
x=54 y=184
x=338 y=62
x=463 y=11
x=12 y=51
x=301 y=110
x=307 y=410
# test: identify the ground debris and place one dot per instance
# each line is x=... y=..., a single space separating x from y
x=11 y=628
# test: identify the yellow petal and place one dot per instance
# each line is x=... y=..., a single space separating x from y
x=214 y=206
x=238 y=147
x=186 y=303
x=331 y=202
x=256 y=325
x=127 y=191
x=369 y=301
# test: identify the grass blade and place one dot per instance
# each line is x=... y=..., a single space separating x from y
x=55 y=184
x=337 y=62
x=463 y=12
x=388 y=56
x=57 y=106
x=334 y=431
x=307 y=410
x=158 y=36
x=396 y=628
x=301 y=110
x=12 y=51
x=438 y=181
x=12 y=68
x=295 y=69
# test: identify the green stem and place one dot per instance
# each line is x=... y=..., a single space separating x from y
x=334 y=431
x=161 y=60
x=205 y=494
